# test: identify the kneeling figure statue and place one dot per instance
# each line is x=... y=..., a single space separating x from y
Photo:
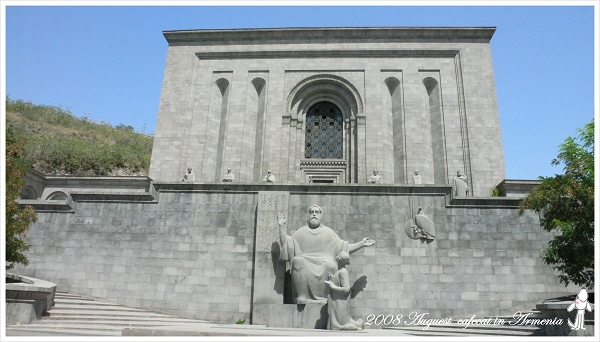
x=338 y=303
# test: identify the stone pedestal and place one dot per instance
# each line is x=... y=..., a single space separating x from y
x=307 y=316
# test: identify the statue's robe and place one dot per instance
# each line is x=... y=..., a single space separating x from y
x=269 y=179
x=460 y=186
x=375 y=179
x=316 y=249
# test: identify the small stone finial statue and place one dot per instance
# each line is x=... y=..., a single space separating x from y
x=338 y=301
x=189 y=176
x=269 y=178
x=375 y=178
x=461 y=188
x=229 y=176
x=311 y=252
x=417 y=178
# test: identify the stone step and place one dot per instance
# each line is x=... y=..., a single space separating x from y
x=456 y=329
x=120 y=323
x=76 y=315
x=432 y=333
x=57 y=312
x=66 y=295
x=455 y=325
x=106 y=325
x=453 y=331
x=69 y=306
x=85 y=326
x=63 y=301
x=88 y=318
x=33 y=330
x=532 y=314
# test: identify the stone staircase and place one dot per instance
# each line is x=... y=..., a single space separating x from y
x=454 y=329
x=75 y=315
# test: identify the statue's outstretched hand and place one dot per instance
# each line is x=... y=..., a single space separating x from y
x=368 y=242
x=281 y=220
x=329 y=282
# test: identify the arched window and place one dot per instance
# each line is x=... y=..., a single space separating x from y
x=57 y=196
x=28 y=192
x=324 y=131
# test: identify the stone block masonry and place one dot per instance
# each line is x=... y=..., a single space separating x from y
x=191 y=252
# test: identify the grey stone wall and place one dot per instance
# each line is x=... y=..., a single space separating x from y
x=484 y=261
x=190 y=252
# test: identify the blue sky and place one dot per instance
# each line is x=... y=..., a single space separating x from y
x=107 y=63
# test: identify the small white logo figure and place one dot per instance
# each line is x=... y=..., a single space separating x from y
x=581 y=304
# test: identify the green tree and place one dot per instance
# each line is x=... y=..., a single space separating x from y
x=566 y=207
x=18 y=218
x=122 y=127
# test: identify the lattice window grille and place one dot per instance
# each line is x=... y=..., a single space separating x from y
x=324 y=131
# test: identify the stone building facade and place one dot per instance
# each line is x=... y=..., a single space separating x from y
x=395 y=100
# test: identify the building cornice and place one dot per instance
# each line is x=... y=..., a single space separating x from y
x=322 y=35
x=367 y=53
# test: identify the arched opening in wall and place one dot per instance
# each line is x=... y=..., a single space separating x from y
x=325 y=143
x=259 y=86
x=438 y=144
x=28 y=192
x=393 y=85
x=57 y=196
x=223 y=92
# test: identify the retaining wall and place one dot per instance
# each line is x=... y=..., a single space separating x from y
x=190 y=250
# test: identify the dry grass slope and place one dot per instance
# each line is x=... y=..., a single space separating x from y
x=58 y=143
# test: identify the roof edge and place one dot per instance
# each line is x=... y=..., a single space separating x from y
x=343 y=33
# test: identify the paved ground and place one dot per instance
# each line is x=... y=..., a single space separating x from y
x=75 y=315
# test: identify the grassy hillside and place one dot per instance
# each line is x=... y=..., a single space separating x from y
x=59 y=143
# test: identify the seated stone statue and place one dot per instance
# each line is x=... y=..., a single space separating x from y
x=461 y=188
x=311 y=251
x=338 y=302
x=229 y=177
x=417 y=178
x=375 y=178
x=269 y=178
x=189 y=176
